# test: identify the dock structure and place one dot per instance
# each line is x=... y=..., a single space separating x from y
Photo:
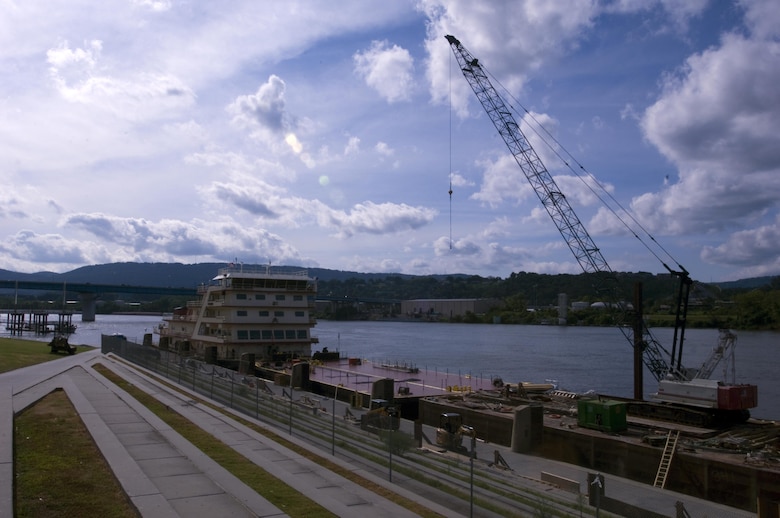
x=359 y=375
x=37 y=322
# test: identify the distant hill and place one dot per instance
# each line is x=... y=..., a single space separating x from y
x=745 y=284
x=178 y=275
x=174 y=275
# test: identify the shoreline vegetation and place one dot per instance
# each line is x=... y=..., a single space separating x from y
x=756 y=315
x=522 y=298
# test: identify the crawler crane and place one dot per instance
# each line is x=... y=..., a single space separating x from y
x=684 y=395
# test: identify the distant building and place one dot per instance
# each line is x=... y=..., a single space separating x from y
x=433 y=309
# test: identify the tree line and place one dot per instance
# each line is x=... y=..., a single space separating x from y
x=531 y=298
x=522 y=298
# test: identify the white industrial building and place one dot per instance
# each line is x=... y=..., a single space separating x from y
x=446 y=308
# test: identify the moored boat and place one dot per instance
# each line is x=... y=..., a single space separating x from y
x=259 y=314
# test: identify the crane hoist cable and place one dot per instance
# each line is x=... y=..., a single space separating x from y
x=450 y=170
x=574 y=233
x=589 y=180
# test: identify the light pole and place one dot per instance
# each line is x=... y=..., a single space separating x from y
x=333 y=426
x=291 y=404
x=392 y=413
x=597 y=483
x=468 y=431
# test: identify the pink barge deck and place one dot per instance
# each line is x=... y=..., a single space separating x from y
x=359 y=375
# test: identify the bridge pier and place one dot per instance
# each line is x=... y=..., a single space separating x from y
x=87 y=306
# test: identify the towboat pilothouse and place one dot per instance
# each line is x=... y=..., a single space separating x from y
x=254 y=313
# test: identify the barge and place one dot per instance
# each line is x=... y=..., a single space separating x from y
x=736 y=465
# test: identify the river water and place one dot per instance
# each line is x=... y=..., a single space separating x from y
x=578 y=358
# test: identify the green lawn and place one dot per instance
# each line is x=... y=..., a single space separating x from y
x=58 y=469
x=16 y=353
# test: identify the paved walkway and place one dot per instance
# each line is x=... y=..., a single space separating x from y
x=165 y=475
x=161 y=472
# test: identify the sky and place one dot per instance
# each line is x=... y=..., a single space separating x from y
x=299 y=133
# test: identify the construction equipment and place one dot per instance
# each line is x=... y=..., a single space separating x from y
x=664 y=365
x=451 y=431
x=382 y=415
x=727 y=343
x=60 y=344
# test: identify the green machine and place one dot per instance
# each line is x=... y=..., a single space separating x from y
x=604 y=415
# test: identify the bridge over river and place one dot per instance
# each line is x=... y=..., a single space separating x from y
x=88 y=293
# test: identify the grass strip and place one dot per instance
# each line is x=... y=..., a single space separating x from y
x=59 y=470
x=322 y=461
x=16 y=353
x=286 y=498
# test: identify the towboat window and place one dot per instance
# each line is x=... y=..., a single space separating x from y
x=299 y=313
x=259 y=296
x=264 y=313
x=290 y=334
x=241 y=296
x=254 y=334
x=279 y=334
x=280 y=297
x=298 y=297
x=242 y=335
x=267 y=334
x=241 y=313
x=302 y=333
x=278 y=313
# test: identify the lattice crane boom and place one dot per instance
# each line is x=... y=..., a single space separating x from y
x=560 y=211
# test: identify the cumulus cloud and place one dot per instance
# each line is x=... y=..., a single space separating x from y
x=502 y=180
x=241 y=168
x=352 y=147
x=756 y=251
x=64 y=61
x=138 y=95
x=27 y=245
x=458 y=180
x=459 y=247
x=270 y=204
x=243 y=197
x=154 y=5
x=762 y=19
x=265 y=114
x=174 y=236
x=378 y=218
x=170 y=239
x=11 y=204
x=264 y=110
x=748 y=247
x=384 y=149
x=490 y=32
x=716 y=120
x=387 y=69
x=678 y=13
x=469 y=252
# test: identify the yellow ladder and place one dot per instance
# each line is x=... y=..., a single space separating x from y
x=666 y=458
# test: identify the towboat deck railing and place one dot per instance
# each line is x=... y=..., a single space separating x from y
x=264 y=270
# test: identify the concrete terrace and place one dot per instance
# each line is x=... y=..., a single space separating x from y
x=161 y=472
x=165 y=475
